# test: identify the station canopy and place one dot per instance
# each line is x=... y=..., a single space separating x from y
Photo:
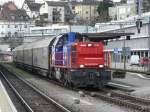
x=105 y=36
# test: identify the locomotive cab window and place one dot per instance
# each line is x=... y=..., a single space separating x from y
x=82 y=38
x=78 y=38
x=62 y=41
x=65 y=39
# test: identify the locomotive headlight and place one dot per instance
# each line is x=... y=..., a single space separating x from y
x=89 y=45
x=81 y=66
x=101 y=66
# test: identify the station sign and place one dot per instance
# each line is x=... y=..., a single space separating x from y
x=116 y=50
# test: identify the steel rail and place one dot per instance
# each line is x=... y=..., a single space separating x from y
x=17 y=94
x=35 y=89
x=140 y=104
x=120 y=99
x=131 y=97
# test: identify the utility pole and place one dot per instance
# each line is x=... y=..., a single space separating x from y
x=139 y=13
x=91 y=2
x=139 y=7
x=123 y=49
x=149 y=45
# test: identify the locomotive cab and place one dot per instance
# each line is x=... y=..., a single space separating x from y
x=87 y=55
x=78 y=61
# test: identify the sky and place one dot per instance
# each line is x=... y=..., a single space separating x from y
x=20 y=2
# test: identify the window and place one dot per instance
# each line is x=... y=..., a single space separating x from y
x=73 y=7
x=9 y=33
x=54 y=9
x=16 y=26
x=146 y=53
x=16 y=34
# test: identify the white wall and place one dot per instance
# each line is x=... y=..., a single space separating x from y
x=44 y=9
x=122 y=11
x=19 y=27
x=4 y=47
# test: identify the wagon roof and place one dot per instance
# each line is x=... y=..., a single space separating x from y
x=41 y=43
x=35 y=44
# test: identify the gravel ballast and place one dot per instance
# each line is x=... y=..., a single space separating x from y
x=68 y=98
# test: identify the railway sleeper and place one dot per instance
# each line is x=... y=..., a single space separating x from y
x=124 y=103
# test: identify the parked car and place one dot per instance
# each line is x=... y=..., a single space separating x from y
x=134 y=60
x=143 y=61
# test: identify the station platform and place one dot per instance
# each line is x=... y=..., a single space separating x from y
x=6 y=104
x=137 y=82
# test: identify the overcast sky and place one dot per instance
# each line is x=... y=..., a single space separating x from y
x=20 y=2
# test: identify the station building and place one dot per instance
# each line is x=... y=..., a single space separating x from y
x=138 y=43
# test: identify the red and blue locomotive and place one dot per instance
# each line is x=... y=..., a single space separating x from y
x=71 y=58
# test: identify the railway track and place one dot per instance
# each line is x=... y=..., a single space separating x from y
x=122 y=99
x=118 y=98
x=32 y=98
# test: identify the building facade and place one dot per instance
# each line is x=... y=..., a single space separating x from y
x=58 y=12
x=13 y=28
x=122 y=11
x=31 y=8
x=139 y=42
x=9 y=11
x=146 y=5
x=86 y=11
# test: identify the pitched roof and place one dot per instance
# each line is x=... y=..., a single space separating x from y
x=56 y=3
x=33 y=6
x=88 y=2
x=12 y=13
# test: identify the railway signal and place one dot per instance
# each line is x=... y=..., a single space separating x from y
x=139 y=25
